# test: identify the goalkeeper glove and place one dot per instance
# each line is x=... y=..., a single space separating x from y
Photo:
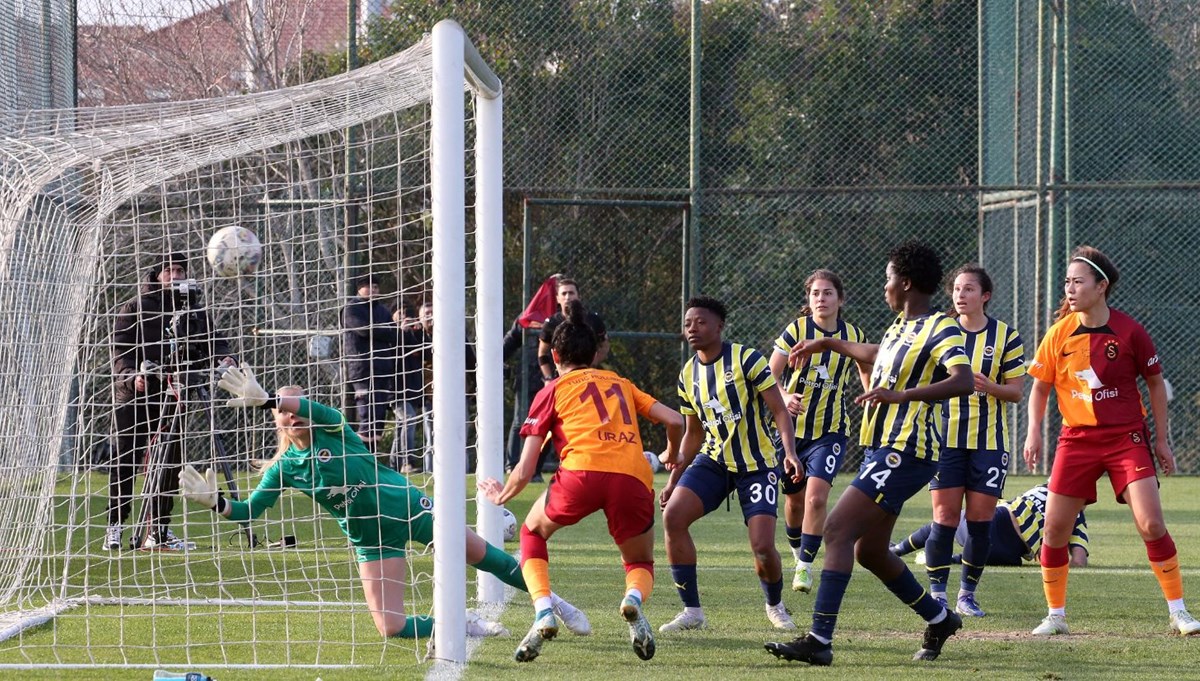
x=240 y=382
x=201 y=489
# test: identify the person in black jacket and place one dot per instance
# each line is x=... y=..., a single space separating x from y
x=412 y=353
x=514 y=347
x=162 y=334
x=369 y=344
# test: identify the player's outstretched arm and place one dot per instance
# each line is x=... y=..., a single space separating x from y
x=520 y=476
x=246 y=391
x=859 y=352
x=1011 y=390
x=201 y=489
x=674 y=424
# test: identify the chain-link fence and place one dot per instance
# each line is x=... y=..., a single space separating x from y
x=825 y=133
x=37 y=55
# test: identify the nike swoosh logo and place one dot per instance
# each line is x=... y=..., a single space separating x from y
x=679 y=586
x=1139 y=469
x=1166 y=570
x=1068 y=354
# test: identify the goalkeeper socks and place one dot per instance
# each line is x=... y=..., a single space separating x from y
x=497 y=562
x=416 y=627
x=828 y=602
x=810 y=544
x=795 y=537
x=1055 y=567
x=1164 y=560
x=911 y=593
x=684 y=577
x=937 y=556
x=975 y=553
x=772 y=590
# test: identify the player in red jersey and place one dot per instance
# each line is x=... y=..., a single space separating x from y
x=592 y=415
x=1092 y=357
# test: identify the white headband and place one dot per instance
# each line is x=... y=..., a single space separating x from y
x=1094 y=265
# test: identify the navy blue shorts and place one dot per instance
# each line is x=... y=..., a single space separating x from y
x=712 y=482
x=889 y=478
x=978 y=470
x=822 y=458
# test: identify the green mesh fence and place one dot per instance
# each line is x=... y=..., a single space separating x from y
x=828 y=131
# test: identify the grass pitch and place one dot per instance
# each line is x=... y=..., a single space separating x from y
x=1118 y=618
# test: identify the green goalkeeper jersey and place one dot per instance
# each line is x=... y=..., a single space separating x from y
x=376 y=507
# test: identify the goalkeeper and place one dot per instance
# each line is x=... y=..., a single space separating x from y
x=376 y=507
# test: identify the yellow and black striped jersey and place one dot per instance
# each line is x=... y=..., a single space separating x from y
x=912 y=353
x=725 y=396
x=1029 y=510
x=822 y=382
x=977 y=421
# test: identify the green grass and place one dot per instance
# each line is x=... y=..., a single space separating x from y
x=1117 y=614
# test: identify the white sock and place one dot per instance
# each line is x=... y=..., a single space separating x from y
x=1061 y=612
x=797 y=554
x=806 y=566
x=636 y=593
x=1176 y=605
x=693 y=611
x=542 y=603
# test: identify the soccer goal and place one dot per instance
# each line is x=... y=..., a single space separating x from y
x=365 y=172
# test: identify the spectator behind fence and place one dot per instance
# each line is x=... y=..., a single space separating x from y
x=412 y=353
x=369 y=342
x=164 y=331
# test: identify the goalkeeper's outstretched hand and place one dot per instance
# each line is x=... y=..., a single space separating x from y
x=240 y=382
x=197 y=488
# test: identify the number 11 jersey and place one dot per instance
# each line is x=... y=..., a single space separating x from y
x=592 y=416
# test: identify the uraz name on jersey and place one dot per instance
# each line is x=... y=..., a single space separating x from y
x=1096 y=395
x=620 y=438
x=727 y=417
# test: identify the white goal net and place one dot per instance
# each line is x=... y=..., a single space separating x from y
x=391 y=171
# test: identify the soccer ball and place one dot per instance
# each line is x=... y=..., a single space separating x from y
x=510 y=524
x=652 y=459
x=234 y=250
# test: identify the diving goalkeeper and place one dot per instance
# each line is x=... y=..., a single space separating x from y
x=376 y=507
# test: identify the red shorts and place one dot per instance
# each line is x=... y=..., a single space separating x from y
x=1084 y=454
x=572 y=496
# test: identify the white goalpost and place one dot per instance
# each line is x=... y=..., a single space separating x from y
x=392 y=170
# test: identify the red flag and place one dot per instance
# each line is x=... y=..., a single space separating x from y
x=542 y=305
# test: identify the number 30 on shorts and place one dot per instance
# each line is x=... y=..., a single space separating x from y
x=759 y=490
